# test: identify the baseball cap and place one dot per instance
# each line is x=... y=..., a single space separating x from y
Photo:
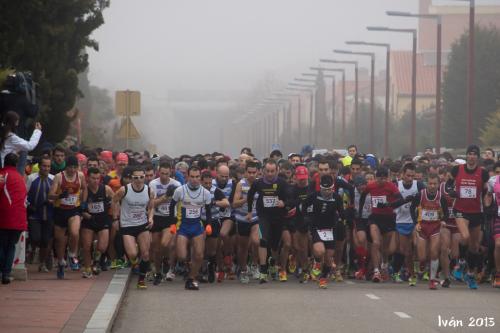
x=122 y=157
x=106 y=156
x=473 y=149
x=301 y=173
x=80 y=157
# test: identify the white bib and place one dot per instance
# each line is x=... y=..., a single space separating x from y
x=70 y=200
x=378 y=199
x=270 y=201
x=325 y=235
x=468 y=192
x=193 y=213
x=430 y=215
x=96 y=207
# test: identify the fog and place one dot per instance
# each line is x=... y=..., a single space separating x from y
x=197 y=63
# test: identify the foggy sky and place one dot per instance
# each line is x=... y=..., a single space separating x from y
x=157 y=45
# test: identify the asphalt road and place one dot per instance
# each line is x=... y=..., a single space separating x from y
x=351 y=306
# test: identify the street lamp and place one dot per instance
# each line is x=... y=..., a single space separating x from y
x=287 y=119
x=438 y=20
x=339 y=70
x=413 y=135
x=355 y=63
x=299 y=121
x=372 y=90
x=387 y=86
x=311 y=107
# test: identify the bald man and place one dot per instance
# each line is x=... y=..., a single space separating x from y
x=225 y=184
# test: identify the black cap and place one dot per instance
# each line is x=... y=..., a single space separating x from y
x=473 y=149
x=71 y=160
x=382 y=172
x=326 y=181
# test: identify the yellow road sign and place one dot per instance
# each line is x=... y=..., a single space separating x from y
x=128 y=130
x=128 y=103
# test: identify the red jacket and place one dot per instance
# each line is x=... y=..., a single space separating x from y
x=12 y=200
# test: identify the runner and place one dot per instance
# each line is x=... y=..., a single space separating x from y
x=96 y=222
x=470 y=185
x=429 y=212
x=133 y=208
x=270 y=204
x=361 y=227
x=192 y=197
x=493 y=199
x=326 y=212
x=248 y=232
x=162 y=238
x=66 y=191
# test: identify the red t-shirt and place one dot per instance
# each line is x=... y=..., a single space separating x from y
x=386 y=192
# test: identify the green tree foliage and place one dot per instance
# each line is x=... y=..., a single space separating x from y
x=487 y=85
x=48 y=38
x=490 y=135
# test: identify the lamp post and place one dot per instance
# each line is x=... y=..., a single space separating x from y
x=339 y=70
x=413 y=134
x=299 y=121
x=287 y=118
x=437 y=18
x=356 y=88
x=311 y=107
x=372 y=90
x=387 y=86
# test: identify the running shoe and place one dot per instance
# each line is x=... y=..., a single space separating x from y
x=433 y=284
x=377 y=277
x=157 y=279
x=191 y=285
x=254 y=271
x=304 y=277
x=220 y=276
x=425 y=276
x=338 y=276
x=470 y=280
x=262 y=278
x=43 y=269
x=74 y=264
x=457 y=273
x=96 y=270
x=230 y=275
x=170 y=275
x=103 y=263
x=244 y=278
x=273 y=272
x=316 y=270
x=60 y=271
x=141 y=284
x=87 y=273
x=203 y=278
x=282 y=276
x=412 y=281
x=360 y=274
x=323 y=283
x=446 y=283
x=496 y=281
x=396 y=277
x=384 y=274
x=211 y=273
x=292 y=264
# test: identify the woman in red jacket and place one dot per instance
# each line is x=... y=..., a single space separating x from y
x=13 y=219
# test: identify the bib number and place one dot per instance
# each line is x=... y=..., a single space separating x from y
x=70 y=200
x=193 y=213
x=378 y=199
x=163 y=209
x=451 y=215
x=269 y=201
x=325 y=235
x=96 y=207
x=468 y=192
x=430 y=215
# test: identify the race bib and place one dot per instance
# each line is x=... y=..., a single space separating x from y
x=138 y=215
x=451 y=215
x=269 y=201
x=325 y=235
x=96 y=207
x=468 y=192
x=164 y=209
x=70 y=200
x=310 y=209
x=430 y=215
x=378 y=199
x=193 y=213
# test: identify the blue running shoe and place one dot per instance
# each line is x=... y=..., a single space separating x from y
x=471 y=281
x=457 y=273
x=74 y=264
x=60 y=272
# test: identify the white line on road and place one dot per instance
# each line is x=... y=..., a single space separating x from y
x=371 y=296
x=349 y=282
x=402 y=315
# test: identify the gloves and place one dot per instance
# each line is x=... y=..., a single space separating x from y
x=382 y=205
x=173 y=229
x=64 y=194
x=208 y=229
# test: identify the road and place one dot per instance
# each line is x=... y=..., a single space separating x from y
x=351 y=306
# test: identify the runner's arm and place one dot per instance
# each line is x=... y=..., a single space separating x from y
x=413 y=208
x=55 y=186
x=444 y=207
x=238 y=199
x=250 y=195
x=115 y=204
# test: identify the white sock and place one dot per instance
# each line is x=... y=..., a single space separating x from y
x=434 y=268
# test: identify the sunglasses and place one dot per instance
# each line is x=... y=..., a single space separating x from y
x=137 y=177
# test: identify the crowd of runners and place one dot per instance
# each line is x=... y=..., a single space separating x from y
x=298 y=218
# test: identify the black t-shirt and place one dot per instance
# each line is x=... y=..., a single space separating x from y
x=269 y=193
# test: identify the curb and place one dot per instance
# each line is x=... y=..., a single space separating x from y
x=104 y=315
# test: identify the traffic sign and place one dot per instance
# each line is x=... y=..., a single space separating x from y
x=128 y=103
x=128 y=130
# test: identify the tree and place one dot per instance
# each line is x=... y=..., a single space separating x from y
x=490 y=135
x=48 y=38
x=487 y=85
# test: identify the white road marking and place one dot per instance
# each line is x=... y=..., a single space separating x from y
x=402 y=315
x=371 y=296
x=349 y=282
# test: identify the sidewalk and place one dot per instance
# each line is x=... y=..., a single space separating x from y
x=44 y=304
